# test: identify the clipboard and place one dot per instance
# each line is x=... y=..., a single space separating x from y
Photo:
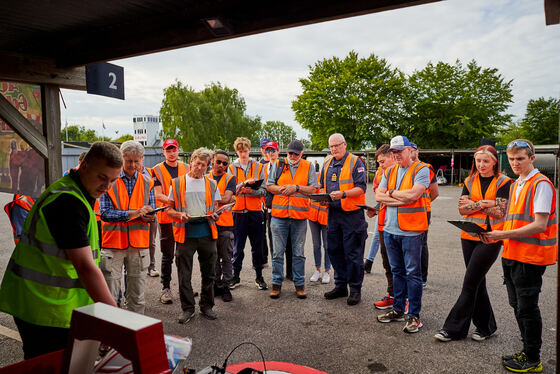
x=159 y=209
x=256 y=185
x=470 y=227
x=366 y=207
x=320 y=197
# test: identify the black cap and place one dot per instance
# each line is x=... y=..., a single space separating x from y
x=295 y=146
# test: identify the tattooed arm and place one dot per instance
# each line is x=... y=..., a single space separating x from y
x=499 y=210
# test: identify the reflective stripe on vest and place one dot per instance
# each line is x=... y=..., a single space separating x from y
x=346 y=182
x=295 y=206
x=179 y=196
x=411 y=217
x=538 y=249
x=244 y=201
x=40 y=285
x=426 y=195
x=475 y=194
x=163 y=176
x=226 y=218
x=135 y=233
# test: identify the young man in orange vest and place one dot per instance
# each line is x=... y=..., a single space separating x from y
x=164 y=172
x=248 y=216
x=343 y=177
x=290 y=210
x=226 y=185
x=126 y=228
x=193 y=198
x=401 y=190
x=530 y=244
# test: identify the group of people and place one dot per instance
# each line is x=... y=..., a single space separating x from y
x=211 y=206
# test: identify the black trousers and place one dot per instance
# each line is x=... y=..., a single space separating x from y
x=38 y=340
x=249 y=224
x=523 y=282
x=167 y=244
x=473 y=302
x=386 y=264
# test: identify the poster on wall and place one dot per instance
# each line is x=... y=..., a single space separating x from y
x=22 y=169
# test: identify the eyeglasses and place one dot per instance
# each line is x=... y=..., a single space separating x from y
x=270 y=150
x=396 y=151
x=225 y=163
x=335 y=145
x=293 y=154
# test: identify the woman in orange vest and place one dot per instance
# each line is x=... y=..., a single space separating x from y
x=530 y=244
x=483 y=200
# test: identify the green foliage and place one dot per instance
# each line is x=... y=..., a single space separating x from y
x=511 y=131
x=124 y=138
x=451 y=106
x=213 y=117
x=540 y=124
x=362 y=98
x=78 y=133
x=307 y=144
x=278 y=132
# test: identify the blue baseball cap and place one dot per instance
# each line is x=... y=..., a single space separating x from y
x=399 y=143
x=413 y=145
x=264 y=141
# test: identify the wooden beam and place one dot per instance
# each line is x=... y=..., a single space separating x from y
x=552 y=12
x=50 y=96
x=23 y=127
x=40 y=70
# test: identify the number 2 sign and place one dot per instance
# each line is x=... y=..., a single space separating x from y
x=105 y=79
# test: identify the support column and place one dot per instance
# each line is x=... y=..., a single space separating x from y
x=50 y=95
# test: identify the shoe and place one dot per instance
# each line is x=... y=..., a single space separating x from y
x=391 y=316
x=166 y=296
x=275 y=291
x=315 y=277
x=187 y=316
x=424 y=284
x=335 y=293
x=326 y=278
x=521 y=364
x=443 y=336
x=226 y=296
x=511 y=357
x=354 y=298
x=300 y=292
x=385 y=303
x=153 y=273
x=261 y=284
x=208 y=313
x=367 y=265
x=412 y=325
x=235 y=281
x=479 y=337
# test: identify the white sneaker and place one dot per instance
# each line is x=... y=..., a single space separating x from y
x=315 y=277
x=326 y=278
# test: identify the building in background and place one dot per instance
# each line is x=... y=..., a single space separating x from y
x=146 y=130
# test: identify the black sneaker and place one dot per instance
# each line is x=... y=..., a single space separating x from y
x=335 y=293
x=354 y=298
x=226 y=296
x=521 y=364
x=187 y=316
x=261 y=284
x=443 y=336
x=235 y=281
x=208 y=313
x=512 y=356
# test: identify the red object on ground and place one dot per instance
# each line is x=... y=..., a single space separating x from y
x=277 y=366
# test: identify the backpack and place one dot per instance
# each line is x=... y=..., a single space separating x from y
x=269 y=196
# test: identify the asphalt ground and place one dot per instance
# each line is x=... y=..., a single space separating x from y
x=330 y=335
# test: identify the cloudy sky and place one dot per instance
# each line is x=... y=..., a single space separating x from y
x=509 y=35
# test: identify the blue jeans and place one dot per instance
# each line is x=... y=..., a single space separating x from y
x=405 y=257
x=319 y=232
x=374 y=242
x=297 y=229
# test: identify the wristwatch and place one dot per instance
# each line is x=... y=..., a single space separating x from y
x=390 y=192
x=344 y=194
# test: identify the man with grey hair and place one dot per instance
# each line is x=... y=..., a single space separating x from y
x=193 y=199
x=125 y=211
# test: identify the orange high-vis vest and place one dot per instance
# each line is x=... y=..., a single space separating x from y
x=295 y=206
x=317 y=212
x=382 y=207
x=97 y=210
x=226 y=218
x=25 y=202
x=179 y=189
x=538 y=249
x=244 y=201
x=411 y=217
x=426 y=195
x=346 y=182
x=475 y=194
x=161 y=173
x=135 y=233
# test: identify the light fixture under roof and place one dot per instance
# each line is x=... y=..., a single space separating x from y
x=217 y=26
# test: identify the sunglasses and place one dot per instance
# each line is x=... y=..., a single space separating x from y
x=521 y=144
x=293 y=153
x=225 y=163
x=270 y=150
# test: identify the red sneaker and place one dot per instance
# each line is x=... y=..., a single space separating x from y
x=385 y=303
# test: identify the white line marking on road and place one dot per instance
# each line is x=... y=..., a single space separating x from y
x=10 y=333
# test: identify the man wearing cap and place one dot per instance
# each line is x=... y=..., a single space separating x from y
x=344 y=178
x=430 y=195
x=164 y=173
x=290 y=209
x=401 y=190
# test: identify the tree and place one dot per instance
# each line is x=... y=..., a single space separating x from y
x=279 y=132
x=78 y=133
x=540 y=124
x=511 y=131
x=124 y=138
x=451 y=106
x=362 y=98
x=213 y=117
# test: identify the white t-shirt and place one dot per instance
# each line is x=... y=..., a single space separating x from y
x=195 y=196
x=543 y=194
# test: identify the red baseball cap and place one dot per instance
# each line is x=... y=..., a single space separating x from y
x=271 y=145
x=170 y=143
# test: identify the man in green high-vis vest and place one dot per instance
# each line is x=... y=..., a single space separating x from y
x=54 y=267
